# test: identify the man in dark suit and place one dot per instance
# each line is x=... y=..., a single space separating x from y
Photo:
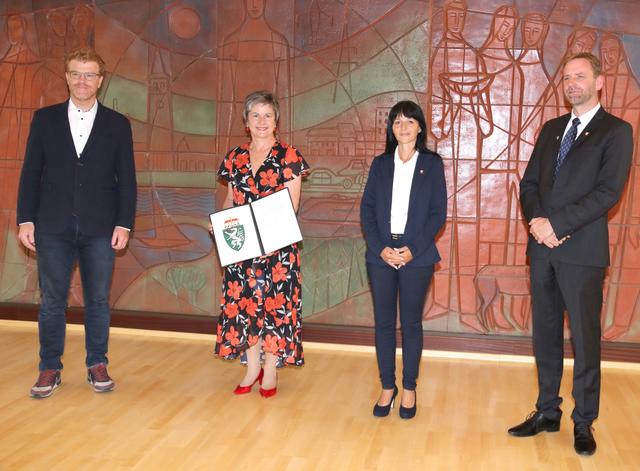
x=576 y=174
x=76 y=202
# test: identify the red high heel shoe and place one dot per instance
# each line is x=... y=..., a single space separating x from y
x=247 y=389
x=268 y=392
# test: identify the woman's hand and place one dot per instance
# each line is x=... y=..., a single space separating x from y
x=404 y=254
x=390 y=257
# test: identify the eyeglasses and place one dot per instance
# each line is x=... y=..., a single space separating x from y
x=88 y=76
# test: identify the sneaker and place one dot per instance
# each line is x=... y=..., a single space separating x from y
x=48 y=381
x=99 y=379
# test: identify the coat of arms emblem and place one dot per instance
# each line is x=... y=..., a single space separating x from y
x=233 y=233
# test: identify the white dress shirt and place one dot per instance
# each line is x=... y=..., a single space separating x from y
x=585 y=118
x=402 y=179
x=81 y=123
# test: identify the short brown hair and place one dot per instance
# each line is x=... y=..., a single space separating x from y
x=261 y=97
x=596 y=66
x=84 y=54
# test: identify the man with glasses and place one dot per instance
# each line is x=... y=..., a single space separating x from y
x=76 y=203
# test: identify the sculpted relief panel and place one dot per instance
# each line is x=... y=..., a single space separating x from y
x=486 y=72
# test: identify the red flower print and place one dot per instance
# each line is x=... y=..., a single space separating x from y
x=248 y=305
x=291 y=156
x=238 y=196
x=228 y=162
x=232 y=336
x=253 y=339
x=234 y=289
x=269 y=305
x=268 y=178
x=279 y=273
x=271 y=344
x=242 y=160
x=224 y=350
x=279 y=300
x=288 y=173
x=231 y=310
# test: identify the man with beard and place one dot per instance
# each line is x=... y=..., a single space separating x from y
x=577 y=172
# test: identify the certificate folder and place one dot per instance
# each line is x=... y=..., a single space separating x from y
x=255 y=229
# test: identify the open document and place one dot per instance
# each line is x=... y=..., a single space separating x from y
x=255 y=229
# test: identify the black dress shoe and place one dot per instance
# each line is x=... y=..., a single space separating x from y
x=583 y=440
x=534 y=424
x=383 y=411
x=408 y=412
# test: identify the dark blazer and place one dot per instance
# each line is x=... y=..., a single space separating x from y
x=427 y=208
x=588 y=184
x=99 y=188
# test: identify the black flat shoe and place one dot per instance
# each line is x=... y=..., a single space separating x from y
x=534 y=424
x=583 y=441
x=409 y=412
x=383 y=411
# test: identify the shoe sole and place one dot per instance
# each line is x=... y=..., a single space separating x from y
x=98 y=390
x=550 y=430
x=44 y=396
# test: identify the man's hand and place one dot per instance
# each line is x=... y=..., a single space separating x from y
x=26 y=234
x=120 y=238
x=543 y=232
x=540 y=229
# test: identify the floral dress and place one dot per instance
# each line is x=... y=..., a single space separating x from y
x=262 y=297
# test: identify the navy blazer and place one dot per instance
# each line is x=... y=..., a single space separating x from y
x=589 y=183
x=427 y=209
x=98 y=189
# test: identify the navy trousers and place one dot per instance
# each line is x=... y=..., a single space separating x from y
x=408 y=285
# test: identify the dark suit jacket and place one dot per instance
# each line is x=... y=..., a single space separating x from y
x=99 y=188
x=588 y=184
x=427 y=209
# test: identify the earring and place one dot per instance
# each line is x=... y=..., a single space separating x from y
x=275 y=131
x=246 y=130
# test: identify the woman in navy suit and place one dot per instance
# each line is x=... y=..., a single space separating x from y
x=403 y=207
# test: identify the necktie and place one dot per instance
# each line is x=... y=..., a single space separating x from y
x=566 y=144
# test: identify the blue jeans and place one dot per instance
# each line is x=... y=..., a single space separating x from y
x=56 y=255
x=387 y=285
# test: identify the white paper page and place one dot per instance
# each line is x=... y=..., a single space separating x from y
x=235 y=235
x=276 y=221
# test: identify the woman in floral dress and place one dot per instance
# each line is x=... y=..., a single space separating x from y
x=261 y=303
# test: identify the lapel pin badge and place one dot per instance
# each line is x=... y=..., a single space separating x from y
x=421 y=171
x=586 y=134
x=557 y=138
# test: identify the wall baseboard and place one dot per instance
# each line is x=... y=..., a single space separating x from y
x=350 y=335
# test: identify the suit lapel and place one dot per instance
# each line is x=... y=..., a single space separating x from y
x=96 y=129
x=420 y=176
x=588 y=130
x=554 y=147
x=64 y=128
x=387 y=184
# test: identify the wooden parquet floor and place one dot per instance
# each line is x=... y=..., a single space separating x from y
x=173 y=410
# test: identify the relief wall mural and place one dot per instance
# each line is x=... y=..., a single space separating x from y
x=486 y=72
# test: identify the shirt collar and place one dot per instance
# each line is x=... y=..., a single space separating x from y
x=74 y=110
x=396 y=157
x=586 y=117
